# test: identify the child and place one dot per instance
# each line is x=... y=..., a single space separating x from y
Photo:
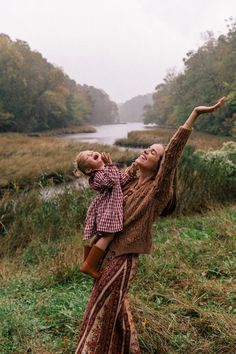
x=105 y=214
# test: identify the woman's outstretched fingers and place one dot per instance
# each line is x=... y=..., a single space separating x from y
x=220 y=102
x=209 y=109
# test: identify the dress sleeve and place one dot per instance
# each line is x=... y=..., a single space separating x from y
x=172 y=154
x=125 y=178
x=107 y=177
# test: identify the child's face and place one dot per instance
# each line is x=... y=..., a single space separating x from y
x=93 y=160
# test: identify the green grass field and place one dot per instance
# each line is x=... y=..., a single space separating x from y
x=183 y=297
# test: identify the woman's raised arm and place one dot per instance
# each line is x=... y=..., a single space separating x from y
x=200 y=110
x=173 y=151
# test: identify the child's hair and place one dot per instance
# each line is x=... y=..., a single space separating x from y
x=80 y=165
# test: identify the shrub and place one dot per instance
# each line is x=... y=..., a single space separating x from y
x=207 y=178
x=27 y=217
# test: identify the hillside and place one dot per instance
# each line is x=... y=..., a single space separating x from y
x=36 y=95
x=132 y=110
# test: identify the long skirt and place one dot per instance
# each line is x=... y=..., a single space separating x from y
x=107 y=326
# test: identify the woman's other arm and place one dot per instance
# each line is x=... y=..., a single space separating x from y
x=175 y=147
x=201 y=110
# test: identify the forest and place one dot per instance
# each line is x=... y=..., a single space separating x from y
x=209 y=73
x=36 y=95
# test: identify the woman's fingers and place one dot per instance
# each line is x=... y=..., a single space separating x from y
x=219 y=103
x=209 y=109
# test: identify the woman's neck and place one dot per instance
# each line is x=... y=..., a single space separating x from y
x=144 y=176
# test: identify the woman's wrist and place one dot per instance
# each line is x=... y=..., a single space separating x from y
x=191 y=119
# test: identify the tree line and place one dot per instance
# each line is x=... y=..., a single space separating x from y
x=36 y=95
x=209 y=73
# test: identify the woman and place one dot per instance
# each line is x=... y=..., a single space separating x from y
x=107 y=326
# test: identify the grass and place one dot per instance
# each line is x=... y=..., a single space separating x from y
x=183 y=297
x=69 y=130
x=191 y=286
x=39 y=316
x=26 y=160
x=143 y=139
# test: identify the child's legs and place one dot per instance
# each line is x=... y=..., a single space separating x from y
x=104 y=241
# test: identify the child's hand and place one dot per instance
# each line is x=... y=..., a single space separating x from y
x=106 y=158
x=76 y=173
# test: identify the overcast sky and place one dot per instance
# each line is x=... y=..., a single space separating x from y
x=122 y=46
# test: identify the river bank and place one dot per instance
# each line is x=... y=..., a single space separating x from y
x=27 y=160
x=143 y=139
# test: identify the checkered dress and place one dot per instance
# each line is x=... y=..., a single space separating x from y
x=105 y=213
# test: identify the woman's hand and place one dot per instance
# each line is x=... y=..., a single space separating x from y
x=106 y=158
x=200 y=110
x=205 y=109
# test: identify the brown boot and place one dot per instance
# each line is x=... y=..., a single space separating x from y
x=90 y=265
x=87 y=249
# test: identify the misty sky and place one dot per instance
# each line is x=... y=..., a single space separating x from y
x=122 y=46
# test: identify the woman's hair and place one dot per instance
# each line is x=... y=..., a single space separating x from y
x=80 y=165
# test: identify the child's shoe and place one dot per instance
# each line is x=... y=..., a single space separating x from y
x=87 y=249
x=90 y=265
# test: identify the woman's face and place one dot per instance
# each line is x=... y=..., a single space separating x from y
x=149 y=158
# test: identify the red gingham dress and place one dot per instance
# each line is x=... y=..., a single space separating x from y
x=105 y=213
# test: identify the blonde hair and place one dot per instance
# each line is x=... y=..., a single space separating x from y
x=80 y=165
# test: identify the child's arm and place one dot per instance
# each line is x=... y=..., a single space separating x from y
x=132 y=170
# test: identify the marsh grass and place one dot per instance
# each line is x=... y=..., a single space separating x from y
x=27 y=219
x=26 y=160
x=142 y=139
x=69 y=130
x=183 y=296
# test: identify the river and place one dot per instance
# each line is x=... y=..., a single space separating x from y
x=109 y=133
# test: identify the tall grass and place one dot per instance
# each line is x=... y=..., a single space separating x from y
x=26 y=218
x=183 y=297
x=143 y=139
x=28 y=160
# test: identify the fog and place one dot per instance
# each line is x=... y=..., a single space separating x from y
x=124 y=47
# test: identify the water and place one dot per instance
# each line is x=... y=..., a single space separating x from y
x=109 y=133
